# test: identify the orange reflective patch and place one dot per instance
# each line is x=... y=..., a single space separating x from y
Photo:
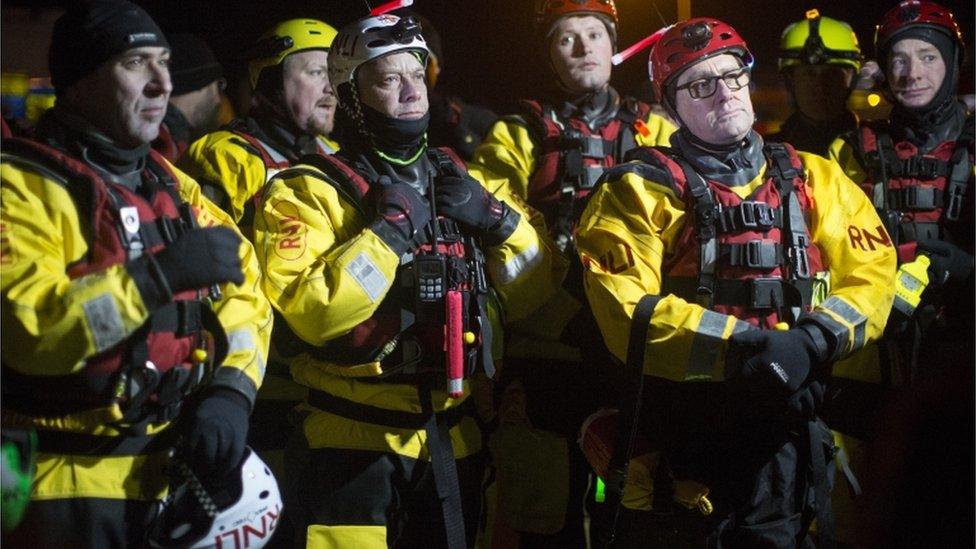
x=290 y=233
x=865 y=239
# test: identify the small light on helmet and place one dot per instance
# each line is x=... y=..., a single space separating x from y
x=874 y=100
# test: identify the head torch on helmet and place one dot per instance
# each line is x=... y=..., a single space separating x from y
x=819 y=41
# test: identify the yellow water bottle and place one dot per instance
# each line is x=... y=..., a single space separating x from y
x=910 y=282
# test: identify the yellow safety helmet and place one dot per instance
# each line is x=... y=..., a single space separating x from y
x=286 y=38
x=819 y=41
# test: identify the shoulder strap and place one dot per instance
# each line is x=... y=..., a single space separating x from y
x=706 y=217
x=629 y=416
x=785 y=168
x=961 y=171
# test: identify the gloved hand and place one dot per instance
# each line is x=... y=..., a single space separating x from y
x=462 y=198
x=808 y=400
x=782 y=359
x=401 y=213
x=197 y=259
x=947 y=261
x=214 y=433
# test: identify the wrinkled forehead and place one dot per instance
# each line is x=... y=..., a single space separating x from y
x=710 y=66
x=397 y=62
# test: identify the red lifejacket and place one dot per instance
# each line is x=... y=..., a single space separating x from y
x=915 y=194
x=371 y=339
x=150 y=370
x=168 y=146
x=571 y=156
x=751 y=258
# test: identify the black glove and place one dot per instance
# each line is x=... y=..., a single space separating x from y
x=197 y=259
x=783 y=359
x=401 y=213
x=463 y=199
x=214 y=433
x=808 y=400
x=947 y=261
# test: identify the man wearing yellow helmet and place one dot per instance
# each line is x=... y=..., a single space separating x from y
x=293 y=109
x=819 y=58
x=292 y=113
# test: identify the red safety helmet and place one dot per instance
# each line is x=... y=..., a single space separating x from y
x=910 y=13
x=688 y=42
x=548 y=11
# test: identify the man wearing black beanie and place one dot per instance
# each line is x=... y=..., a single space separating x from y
x=194 y=105
x=131 y=321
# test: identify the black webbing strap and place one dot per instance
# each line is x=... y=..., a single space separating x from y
x=706 y=217
x=381 y=416
x=796 y=238
x=85 y=444
x=629 y=416
x=445 y=469
x=821 y=486
x=960 y=173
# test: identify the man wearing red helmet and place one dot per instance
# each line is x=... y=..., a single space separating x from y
x=918 y=169
x=551 y=154
x=758 y=288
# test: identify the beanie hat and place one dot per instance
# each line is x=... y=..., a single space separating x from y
x=90 y=33
x=192 y=64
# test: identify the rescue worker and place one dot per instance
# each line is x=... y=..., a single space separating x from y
x=551 y=155
x=819 y=58
x=375 y=296
x=758 y=287
x=917 y=168
x=292 y=114
x=194 y=105
x=132 y=318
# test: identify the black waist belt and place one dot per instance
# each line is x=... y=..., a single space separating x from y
x=755 y=293
x=83 y=444
x=381 y=416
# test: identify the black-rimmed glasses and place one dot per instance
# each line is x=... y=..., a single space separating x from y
x=705 y=87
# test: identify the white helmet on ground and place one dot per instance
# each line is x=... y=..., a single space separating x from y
x=189 y=518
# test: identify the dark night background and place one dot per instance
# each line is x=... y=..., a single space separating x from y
x=489 y=45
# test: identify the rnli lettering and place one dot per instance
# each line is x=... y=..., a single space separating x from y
x=868 y=240
x=290 y=234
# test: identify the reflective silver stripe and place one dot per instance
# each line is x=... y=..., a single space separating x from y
x=369 y=277
x=850 y=315
x=241 y=340
x=514 y=267
x=276 y=156
x=742 y=326
x=104 y=321
x=706 y=345
x=903 y=306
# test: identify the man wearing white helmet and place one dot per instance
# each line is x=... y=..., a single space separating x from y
x=384 y=300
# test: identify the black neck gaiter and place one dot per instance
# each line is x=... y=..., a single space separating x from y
x=399 y=139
